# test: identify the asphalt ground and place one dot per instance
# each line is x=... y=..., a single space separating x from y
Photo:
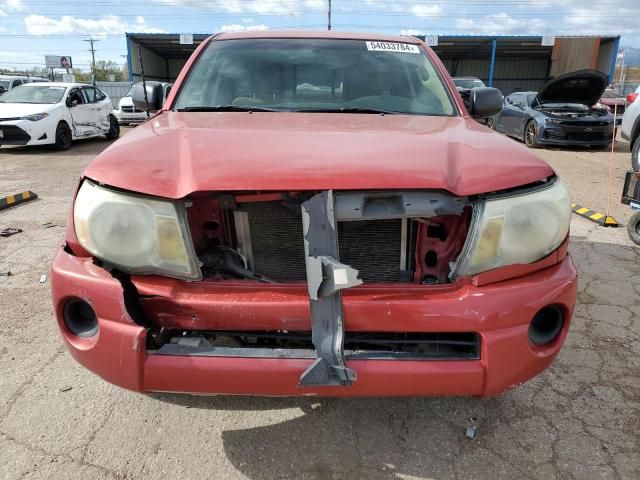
x=578 y=420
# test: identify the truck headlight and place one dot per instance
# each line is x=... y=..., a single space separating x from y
x=517 y=229
x=134 y=233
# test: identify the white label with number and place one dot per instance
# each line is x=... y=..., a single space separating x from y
x=548 y=40
x=186 y=39
x=392 y=47
x=432 y=40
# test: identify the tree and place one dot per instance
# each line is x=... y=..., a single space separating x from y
x=104 y=68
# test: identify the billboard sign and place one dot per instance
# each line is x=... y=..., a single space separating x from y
x=54 y=61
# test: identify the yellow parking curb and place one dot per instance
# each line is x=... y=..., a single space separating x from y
x=11 y=200
x=596 y=217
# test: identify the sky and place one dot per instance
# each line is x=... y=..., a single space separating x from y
x=31 y=29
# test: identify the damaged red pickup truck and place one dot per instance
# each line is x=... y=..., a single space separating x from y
x=316 y=213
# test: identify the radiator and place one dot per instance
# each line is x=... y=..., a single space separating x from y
x=373 y=247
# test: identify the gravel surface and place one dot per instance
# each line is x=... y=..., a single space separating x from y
x=580 y=419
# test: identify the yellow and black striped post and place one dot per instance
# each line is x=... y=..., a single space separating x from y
x=596 y=217
x=11 y=200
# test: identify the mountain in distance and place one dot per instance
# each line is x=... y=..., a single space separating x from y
x=631 y=56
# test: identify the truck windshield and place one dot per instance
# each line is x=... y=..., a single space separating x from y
x=315 y=75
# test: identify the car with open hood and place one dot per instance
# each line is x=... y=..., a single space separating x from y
x=562 y=113
x=55 y=114
x=316 y=213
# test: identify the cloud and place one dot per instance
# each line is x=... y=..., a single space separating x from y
x=412 y=32
x=11 y=6
x=426 y=10
x=499 y=24
x=107 y=25
x=257 y=7
x=236 y=27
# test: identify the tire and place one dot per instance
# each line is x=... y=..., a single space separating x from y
x=633 y=228
x=491 y=123
x=531 y=134
x=635 y=155
x=114 y=128
x=64 y=137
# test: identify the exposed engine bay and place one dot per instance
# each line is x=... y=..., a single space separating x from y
x=389 y=237
x=571 y=110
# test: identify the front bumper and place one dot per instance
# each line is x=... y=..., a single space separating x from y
x=576 y=136
x=500 y=313
x=124 y=117
x=24 y=132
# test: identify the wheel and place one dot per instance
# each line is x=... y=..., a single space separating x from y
x=531 y=134
x=63 y=137
x=491 y=123
x=633 y=228
x=114 y=128
x=635 y=155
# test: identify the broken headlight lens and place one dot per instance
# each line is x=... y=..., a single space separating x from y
x=134 y=233
x=518 y=229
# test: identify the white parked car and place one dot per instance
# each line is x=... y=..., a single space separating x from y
x=56 y=114
x=7 y=82
x=127 y=113
x=630 y=130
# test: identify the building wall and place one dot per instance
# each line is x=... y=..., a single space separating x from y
x=115 y=90
x=571 y=54
x=155 y=66
x=510 y=74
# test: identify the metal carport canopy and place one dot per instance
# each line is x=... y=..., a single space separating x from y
x=521 y=62
x=163 y=54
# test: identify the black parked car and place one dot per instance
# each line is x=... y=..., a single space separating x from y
x=561 y=113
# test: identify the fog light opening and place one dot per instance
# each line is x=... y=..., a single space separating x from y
x=546 y=325
x=80 y=318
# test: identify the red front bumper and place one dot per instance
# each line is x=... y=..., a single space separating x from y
x=500 y=313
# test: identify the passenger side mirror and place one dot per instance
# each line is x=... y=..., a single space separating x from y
x=154 y=96
x=71 y=102
x=485 y=102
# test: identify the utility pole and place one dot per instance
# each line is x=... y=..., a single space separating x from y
x=329 y=17
x=93 y=60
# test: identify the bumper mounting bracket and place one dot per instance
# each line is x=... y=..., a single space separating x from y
x=326 y=277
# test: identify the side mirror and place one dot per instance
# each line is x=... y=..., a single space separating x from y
x=71 y=103
x=2 y=90
x=485 y=102
x=154 y=96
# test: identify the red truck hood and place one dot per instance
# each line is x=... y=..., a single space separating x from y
x=176 y=154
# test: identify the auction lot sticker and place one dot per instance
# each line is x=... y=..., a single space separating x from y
x=392 y=47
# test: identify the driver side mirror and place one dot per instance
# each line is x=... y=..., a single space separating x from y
x=154 y=96
x=485 y=102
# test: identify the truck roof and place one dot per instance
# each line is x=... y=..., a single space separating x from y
x=318 y=34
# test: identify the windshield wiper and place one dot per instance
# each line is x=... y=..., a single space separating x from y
x=347 y=110
x=226 y=108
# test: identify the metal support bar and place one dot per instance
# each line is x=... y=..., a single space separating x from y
x=326 y=277
x=614 y=60
x=129 y=60
x=493 y=60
